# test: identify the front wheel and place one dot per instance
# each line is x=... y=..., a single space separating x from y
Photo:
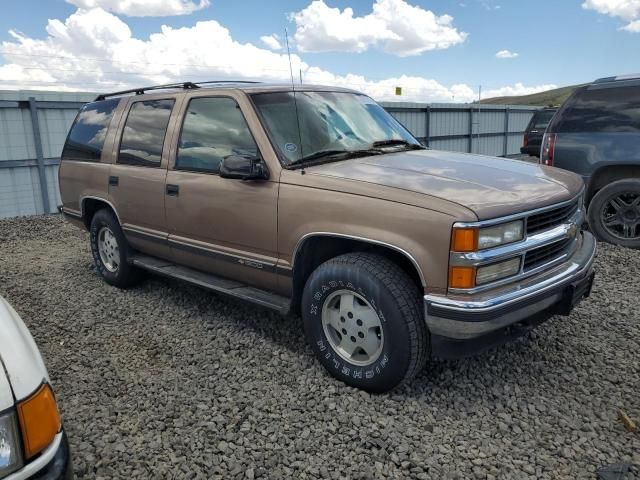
x=614 y=213
x=363 y=317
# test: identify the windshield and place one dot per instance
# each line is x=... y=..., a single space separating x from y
x=329 y=122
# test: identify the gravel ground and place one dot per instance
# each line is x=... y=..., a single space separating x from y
x=168 y=381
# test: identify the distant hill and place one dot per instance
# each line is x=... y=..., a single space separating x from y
x=550 y=97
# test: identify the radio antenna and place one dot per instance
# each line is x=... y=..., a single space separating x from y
x=295 y=102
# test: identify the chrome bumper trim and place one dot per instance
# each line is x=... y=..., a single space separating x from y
x=577 y=266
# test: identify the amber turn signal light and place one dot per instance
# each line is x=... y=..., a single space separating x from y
x=464 y=239
x=462 y=277
x=39 y=420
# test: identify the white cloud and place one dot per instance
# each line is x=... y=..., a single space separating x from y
x=144 y=8
x=94 y=50
x=394 y=25
x=633 y=27
x=627 y=10
x=517 y=89
x=506 y=54
x=271 y=41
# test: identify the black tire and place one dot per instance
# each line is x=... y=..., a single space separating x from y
x=601 y=209
x=398 y=304
x=125 y=275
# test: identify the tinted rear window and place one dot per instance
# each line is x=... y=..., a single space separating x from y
x=86 y=138
x=541 y=119
x=144 y=132
x=612 y=109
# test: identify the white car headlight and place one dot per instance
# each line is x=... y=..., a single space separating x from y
x=500 y=234
x=10 y=448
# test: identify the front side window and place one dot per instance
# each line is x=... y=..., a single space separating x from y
x=316 y=122
x=603 y=109
x=213 y=128
x=89 y=130
x=144 y=133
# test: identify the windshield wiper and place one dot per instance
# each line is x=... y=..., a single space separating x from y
x=393 y=142
x=332 y=154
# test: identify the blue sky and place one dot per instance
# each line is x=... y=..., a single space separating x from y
x=556 y=42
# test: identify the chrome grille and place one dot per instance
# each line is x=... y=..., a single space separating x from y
x=551 y=218
x=545 y=254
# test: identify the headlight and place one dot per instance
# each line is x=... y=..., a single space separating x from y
x=10 y=449
x=497 y=271
x=500 y=234
x=472 y=239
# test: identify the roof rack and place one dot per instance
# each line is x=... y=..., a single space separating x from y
x=632 y=76
x=183 y=85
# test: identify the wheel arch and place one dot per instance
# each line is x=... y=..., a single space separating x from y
x=90 y=205
x=608 y=174
x=315 y=248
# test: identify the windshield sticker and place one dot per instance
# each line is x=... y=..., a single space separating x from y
x=291 y=147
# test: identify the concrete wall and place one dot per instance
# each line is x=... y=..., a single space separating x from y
x=29 y=168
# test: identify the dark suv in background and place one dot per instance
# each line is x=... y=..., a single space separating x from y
x=596 y=133
x=535 y=131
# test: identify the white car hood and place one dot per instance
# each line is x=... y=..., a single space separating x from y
x=21 y=367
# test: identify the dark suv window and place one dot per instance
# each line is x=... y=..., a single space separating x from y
x=602 y=109
x=144 y=133
x=541 y=119
x=86 y=138
x=213 y=128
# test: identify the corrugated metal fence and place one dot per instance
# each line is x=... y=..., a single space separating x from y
x=486 y=129
x=34 y=125
x=33 y=128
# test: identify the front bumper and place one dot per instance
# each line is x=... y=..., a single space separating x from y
x=556 y=291
x=54 y=463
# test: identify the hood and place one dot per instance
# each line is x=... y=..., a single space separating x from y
x=22 y=369
x=490 y=186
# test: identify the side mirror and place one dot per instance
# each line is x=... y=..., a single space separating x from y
x=243 y=167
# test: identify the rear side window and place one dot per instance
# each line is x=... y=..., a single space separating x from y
x=144 y=133
x=213 y=128
x=612 y=109
x=541 y=119
x=86 y=138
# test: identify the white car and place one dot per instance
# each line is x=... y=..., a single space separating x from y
x=32 y=442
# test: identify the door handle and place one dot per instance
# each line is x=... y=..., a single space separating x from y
x=173 y=190
x=113 y=181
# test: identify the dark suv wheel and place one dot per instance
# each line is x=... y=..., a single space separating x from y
x=363 y=317
x=111 y=251
x=614 y=213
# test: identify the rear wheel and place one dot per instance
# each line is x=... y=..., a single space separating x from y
x=111 y=251
x=363 y=317
x=614 y=213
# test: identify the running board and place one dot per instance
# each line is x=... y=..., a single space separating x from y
x=212 y=282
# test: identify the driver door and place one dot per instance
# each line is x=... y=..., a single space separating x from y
x=223 y=226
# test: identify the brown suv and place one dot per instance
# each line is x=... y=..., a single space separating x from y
x=315 y=200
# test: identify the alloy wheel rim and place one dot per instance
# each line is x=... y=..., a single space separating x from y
x=352 y=327
x=108 y=249
x=620 y=215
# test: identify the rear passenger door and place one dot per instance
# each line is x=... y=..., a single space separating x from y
x=224 y=226
x=137 y=178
